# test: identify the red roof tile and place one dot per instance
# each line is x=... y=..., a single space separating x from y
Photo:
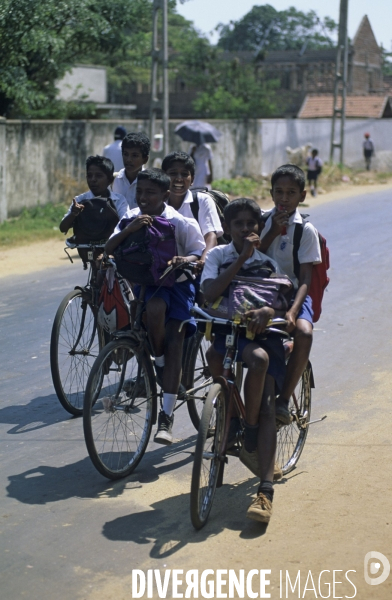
x=356 y=106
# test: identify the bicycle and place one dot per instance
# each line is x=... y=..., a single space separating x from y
x=121 y=399
x=76 y=337
x=224 y=400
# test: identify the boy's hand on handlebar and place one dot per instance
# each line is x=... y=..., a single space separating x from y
x=76 y=207
x=251 y=242
x=138 y=223
x=257 y=319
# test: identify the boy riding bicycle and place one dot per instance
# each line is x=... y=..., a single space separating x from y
x=264 y=358
x=166 y=307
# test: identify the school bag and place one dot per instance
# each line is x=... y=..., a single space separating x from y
x=114 y=304
x=320 y=279
x=143 y=256
x=221 y=201
x=254 y=287
x=96 y=222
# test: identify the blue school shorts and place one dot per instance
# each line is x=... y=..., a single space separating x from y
x=306 y=311
x=179 y=300
x=272 y=344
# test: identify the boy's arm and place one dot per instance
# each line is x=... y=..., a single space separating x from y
x=116 y=239
x=278 y=220
x=211 y=241
x=213 y=288
x=70 y=217
x=304 y=281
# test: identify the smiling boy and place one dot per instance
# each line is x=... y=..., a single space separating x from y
x=264 y=358
x=277 y=241
x=166 y=307
x=135 y=149
x=180 y=167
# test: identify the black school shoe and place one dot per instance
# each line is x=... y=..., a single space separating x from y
x=164 y=433
x=282 y=412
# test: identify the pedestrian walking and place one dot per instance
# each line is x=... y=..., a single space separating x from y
x=368 y=150
x=315 y=165
x=113 y=150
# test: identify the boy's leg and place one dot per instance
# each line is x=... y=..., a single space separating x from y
x=156 y=314
x=261 y=507
x=303 y=338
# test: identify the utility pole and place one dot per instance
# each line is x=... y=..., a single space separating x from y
x=340 y=89
x=160 y=56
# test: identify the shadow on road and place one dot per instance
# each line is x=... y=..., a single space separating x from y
x=44 y=483
x=168 y=526
x=38 y=413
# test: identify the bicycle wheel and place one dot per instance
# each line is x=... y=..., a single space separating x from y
x=75 y=343
x=196 y=376
x=291 y=438
x=119 y=408
x=207 y=461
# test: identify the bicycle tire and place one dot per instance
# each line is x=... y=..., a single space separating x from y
x=196 y=375
x=75 y=323
x=207 y=463
x=291 y=438
x=117 y=426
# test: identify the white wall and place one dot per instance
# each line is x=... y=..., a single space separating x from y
x=89 y=82
x=276 y=134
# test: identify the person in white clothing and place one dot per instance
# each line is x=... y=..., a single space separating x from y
x=315 y=164
x=180 y=167
x=113 y=150
x=368 y=150
x=135 y=149
x=202 y=155
x=166 y=307
x=99 y=175
x=277 y=241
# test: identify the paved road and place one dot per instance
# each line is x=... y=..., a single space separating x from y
x=68 y=533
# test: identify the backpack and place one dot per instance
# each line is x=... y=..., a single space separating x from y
x=320 y=279
x=96 y=222
x=143 y=256
x=114 y=304
x=221 y=201
x=254 y=287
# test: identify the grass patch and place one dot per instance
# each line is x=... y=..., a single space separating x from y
x=33 y=225
x=243 y=187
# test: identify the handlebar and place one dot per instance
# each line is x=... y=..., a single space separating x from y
x=90 y=246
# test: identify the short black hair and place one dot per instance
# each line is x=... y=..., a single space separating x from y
x=181 y=157
x=315 y=151
x=120 y=132
x=292 y=171
x=103 y=163
x=137 y=140
x=233 y=208
x=155 y=176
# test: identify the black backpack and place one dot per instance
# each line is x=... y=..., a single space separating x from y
x=96 y=222
x=221 y=201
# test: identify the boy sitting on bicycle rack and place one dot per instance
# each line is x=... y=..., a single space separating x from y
x=278 y=242
x=166 y=307
x=264 y=359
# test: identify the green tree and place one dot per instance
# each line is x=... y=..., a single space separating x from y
x=41 y=39
x=234 y=90
x=265 y=28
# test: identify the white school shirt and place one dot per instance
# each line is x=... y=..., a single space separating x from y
x=122 y=186
x=187 y=231
x=113 y=152
x=314 y=163
x=208 y=215
x=202 y=154
x=281 y=249
x=118 y=200
x=227 y=254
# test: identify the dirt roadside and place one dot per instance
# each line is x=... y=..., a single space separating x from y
x=44 y=255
